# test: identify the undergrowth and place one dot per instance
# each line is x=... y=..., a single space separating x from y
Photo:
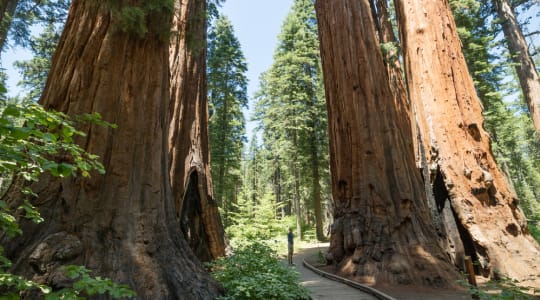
x=503 y=288
x=254 y=271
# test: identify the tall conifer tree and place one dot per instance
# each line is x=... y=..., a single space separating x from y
x=227 y=85
x=292 y=111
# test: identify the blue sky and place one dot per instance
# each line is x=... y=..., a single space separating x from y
x=256 y=24
x=9 y=56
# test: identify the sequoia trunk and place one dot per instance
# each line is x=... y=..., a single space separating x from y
x=382 y=229
x=457 y=150
x=524 y=64
x=188 y=135
x=443 y=218
x=122 y=224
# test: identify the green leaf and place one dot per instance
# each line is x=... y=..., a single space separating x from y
x=11 y=110
x=65 y=169
x=20 y=133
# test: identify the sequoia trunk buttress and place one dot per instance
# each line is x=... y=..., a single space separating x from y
x=382 y=231
x=188 y=135
x=122 y=224
x=457 y=149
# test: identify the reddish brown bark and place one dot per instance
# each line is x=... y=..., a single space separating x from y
x=122 y=224
x=382 y=231
x=456 y=147
x=444 y=221
x=188 y=136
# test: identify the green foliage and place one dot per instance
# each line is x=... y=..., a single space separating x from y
x=255 y=221
x=227 y=96
x=390 y=52
x=86 y=285
x=534 y=228
x=291 y=112
x=255 y=272
x=321 y=257
x=132 y=20
x=34 y=141
x=29 y=13
x=501 y=289
x=16 y=284
x=141 y=18
x=212 y=11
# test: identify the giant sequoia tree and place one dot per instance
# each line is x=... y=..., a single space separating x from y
x=188 y=133
x=464 y=174
x=513 y=136
x=383 y=228
x=126 y=224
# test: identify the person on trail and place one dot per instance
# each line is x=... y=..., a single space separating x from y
x=290 y=243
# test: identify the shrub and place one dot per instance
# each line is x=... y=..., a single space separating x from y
x=255 y=272
x=31 y=142
x=504 y=288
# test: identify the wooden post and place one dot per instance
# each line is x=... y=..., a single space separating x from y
x=470 y=274
x=470 y=271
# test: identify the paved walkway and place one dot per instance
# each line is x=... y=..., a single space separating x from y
x=323 y=288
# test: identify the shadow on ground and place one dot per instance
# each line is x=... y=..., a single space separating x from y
x=324 y=290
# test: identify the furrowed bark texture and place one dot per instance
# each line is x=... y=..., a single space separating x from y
x=122 y=224
x=524 y=64
x=461 y=166
x=188 y=135
x=382 y=231
x=443 y=217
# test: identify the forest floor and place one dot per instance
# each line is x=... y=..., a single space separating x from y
x=312 y=252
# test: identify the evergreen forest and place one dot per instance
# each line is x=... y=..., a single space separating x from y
x=400 y=138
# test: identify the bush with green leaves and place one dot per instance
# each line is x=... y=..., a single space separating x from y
x=534 y=227
x=256 y=223
x=503 y=288
x=34 y=141
x=254 y=271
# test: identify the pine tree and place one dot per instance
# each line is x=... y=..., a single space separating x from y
x=525 y=69
x=291 y=109
x=36 y=70
x=17 y=17
x=227 y=85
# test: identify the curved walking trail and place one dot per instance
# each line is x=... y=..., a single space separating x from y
x=324 y=288
x=321 y=287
